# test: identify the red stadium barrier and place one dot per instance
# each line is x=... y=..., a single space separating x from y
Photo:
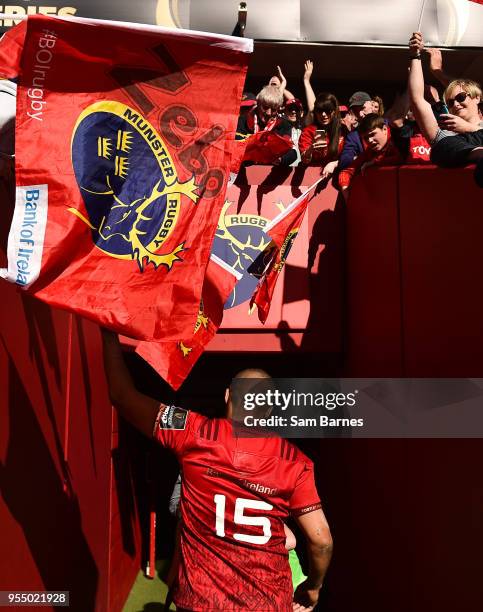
x=373 y=276
x=64 y=516
x=70 y=516
x=441 y=219
x=414 y=253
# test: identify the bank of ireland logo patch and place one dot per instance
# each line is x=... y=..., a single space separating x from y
x=129 y=185
x=240 y=240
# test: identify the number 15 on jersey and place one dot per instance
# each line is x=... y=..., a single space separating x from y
x=239 y=518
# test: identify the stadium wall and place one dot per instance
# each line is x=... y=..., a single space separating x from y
x=405 y=513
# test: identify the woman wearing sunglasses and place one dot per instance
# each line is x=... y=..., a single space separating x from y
x=456 y=137
x=322 y=142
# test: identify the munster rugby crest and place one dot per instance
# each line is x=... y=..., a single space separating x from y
x=240 y=240
x=129 y=185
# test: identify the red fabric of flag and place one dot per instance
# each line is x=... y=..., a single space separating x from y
x=174 y=360
x=11 y=51
x=265 y=147
x=282 y=230
x=124 y=142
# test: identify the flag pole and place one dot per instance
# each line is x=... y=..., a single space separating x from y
x=291 y=206
x=421 y=16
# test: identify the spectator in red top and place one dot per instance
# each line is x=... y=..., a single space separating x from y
x=265 y=117
x=321 y=142
x=379 y=150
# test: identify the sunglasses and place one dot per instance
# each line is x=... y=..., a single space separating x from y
x=461 y=97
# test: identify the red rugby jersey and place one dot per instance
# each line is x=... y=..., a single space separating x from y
x=235 y=497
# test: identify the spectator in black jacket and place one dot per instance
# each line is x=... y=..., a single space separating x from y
x=456 y=137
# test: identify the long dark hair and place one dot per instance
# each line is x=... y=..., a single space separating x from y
x=328 y=102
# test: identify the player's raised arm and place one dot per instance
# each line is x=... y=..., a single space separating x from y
x=137 y=408
x=316 y=531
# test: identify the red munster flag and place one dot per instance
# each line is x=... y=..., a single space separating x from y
x=265 y=147
x=11 y=46
x=282 y=230
x=173 y=361
x=124 y=142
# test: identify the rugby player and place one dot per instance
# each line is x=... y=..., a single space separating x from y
x=235 y=497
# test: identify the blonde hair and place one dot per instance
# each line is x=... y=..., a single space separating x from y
x=379 y=100
x=472 y=88
x=270 y=96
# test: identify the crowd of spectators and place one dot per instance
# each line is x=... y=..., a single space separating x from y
x=343 y=139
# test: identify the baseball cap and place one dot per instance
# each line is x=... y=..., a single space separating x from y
x=294 y=102
x=359 y=98
x=248 y=99
x=343 y=109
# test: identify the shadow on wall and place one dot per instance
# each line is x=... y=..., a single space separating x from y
x=41 y=333
x=324 y=333
x=326 y=266
x=47 y=513
x=34 y=478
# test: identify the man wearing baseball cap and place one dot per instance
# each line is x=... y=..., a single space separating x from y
x=358 y=101
x=248 y=101
x=360 y=104
x=347 y=119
